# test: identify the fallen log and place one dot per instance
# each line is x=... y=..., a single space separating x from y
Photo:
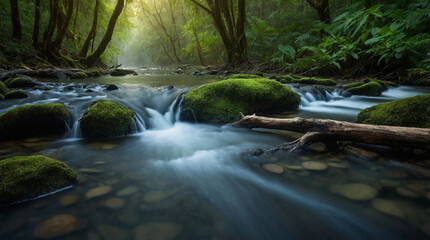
x=330 y=131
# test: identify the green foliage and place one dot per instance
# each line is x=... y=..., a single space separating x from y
x=222 y=101
x=407 y=112
x=106 y=119
x=25 y=177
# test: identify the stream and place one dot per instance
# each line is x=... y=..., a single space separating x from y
x=177 y=180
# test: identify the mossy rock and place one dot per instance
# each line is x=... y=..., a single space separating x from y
x=1 y=97
x=368 y=89
x=106 y=119
x=221 y=102
x=34 y=121
x=315 y=81
x=117 y=72
x=353 y=85
x=79 y=75
x=245 y=76
x=407 y=112
x=16 y=94
x=285 y=79
x=21 y=82
x=3 y=88
x=97 y=73
x=26 y=177
x=423 y=83
x=384 y=84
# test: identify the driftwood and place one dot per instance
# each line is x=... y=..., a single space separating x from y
x=330 y=131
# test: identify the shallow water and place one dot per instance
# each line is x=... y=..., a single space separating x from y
x=191 y=181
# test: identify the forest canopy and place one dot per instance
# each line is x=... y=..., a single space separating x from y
x=323 y=36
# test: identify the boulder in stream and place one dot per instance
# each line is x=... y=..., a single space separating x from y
x=3 y=88
x=221 y=102
x=106 y=119
x=117 y=72
x=16 y=94
x=407 y=112
x=22 y=82
x=34 y=121
x=368 y=89
x=26 y=177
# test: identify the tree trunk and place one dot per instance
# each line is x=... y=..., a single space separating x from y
x=91 y=59
x=330 y=131
x=64 y=27
x=199 y=47
x=323 y=9
x=16 y=24
x=91 y=34
x=36 y=28
x=49 y=32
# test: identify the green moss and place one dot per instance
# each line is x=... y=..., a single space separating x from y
x=245 y=76
x=222 y=101
x=106 y=119
x=315 y=81
x=21 y=82
x=79 y=75
x=26 y=177
x=34 y=121
x=1 y=97
x=285 y=79
x=354 y=84
x=384 y=84
x=368 y=89
x=3 y=88
x=407 y=112
x=15 y=94
x=97 y=73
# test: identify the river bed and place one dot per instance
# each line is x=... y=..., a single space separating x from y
x=176 y=180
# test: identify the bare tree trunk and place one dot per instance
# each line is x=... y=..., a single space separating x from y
x=199 y=47
x=91 y=59
x=16 y=24
x=36 y=28
x=172 y=15
x=329 y=131
x=91 y=34
x=49 y=32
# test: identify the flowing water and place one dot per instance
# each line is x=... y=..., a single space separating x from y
x=176 y=180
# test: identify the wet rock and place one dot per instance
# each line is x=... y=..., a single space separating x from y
x=114 y=203
x=112 y=232
x=359 y=152
x=273 y=168
x=79 y=75
x=129 y=217
x=130 y=190
x=108 y=146
x=25 y=177
x=304 y=158
x=117 y=72
x=112 y=87
x=388 y=207
x=315 y=166
x=157 y=231
x=106 y=119
x=58 y=226
x=16 y=94
x=21 y=82
x=34 y=121
x=68 y=200
x=418 y=187
x=355 y=191
x=98 y=191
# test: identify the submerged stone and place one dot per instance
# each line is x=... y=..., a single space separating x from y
x=273 y=168
x=98 y=191
x=114 y=203
x=221 y=102
x=26 y=177
x=58 y=226
x=406 y=112
x=315 y=166
x=68 y=200
x=34 y=121
x=388 y=207
x=355 y=191
x=106 y=119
